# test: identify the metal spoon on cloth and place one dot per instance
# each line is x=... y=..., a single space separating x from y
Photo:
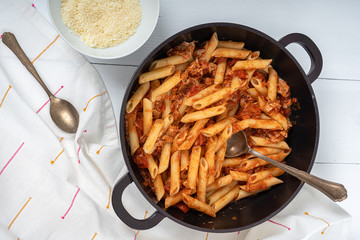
x=237 y=145
x=62 y=112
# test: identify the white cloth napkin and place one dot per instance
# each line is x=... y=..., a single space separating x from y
x=55 y=185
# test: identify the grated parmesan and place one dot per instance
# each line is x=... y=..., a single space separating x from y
x=102 y=23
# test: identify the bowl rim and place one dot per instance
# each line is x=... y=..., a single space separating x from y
x=54 y=24
x=132 y=82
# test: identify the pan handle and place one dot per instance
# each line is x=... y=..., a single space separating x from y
x=311 y=48
x=124 y=215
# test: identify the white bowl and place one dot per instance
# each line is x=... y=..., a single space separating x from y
x=150 y=14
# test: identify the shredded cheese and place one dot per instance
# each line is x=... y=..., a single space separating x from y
x=102 y=23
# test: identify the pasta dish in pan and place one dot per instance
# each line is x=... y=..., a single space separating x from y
x=186 y=107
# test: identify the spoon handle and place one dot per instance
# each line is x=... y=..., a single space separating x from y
x=10 y=41
x=335 y=191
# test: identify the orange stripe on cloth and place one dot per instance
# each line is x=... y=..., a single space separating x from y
x=5 y=96
x=94 y=236
x=45 y=49
x=52 y=161
x=19 y=213
x=328 y=224
x=92 y=99
x=109 y=198
x=98 y=151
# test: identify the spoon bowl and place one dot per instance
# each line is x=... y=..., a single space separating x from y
x=237 y=145
x=62 y=112
x=64 y=115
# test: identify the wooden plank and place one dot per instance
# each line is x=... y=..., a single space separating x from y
x=339 y=120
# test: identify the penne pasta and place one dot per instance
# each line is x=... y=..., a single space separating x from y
x=208 y=194
x=256 y=123
x=216 y=195
x=259 y=86
x=164 y=157
x=172 y=200
x=220 y=72
x=212 y=98
x=220 y=182
x=174 y=173
x=167 y=109
x=223 y=115
x=136 y=98
x=220 y=157
x=168 y=120
x=184 y=160
x=147 y=115
x=181 y=67
x=253 y=93
x=154 y=133
x=193 y=167
x=203 y=93
x=202 y=180
x=235 y=84
x=159 y=187
x=272 y=84
x=224 y=136
x=210 y=158
x=270 y=172
x=259 y=141
x=153 y=168
x=230 y=44
x=252 y=64
x=263 y=184
x=193 y=134
x=166 y=86
x=231 y=162
x=222 y=202
x=243 y=194
x=180 y=138
x=156 y=74
x=257 y=162
x=203 y=114
x=198 y=205
x=239 y=176
x=133 y=136
x=264 y=116
x=182 y=109
x=231 y=53
x=211 y=46
x=265 y=151
x=172 y=60
x=217 y=127
x=281 y=119
x=253 y=55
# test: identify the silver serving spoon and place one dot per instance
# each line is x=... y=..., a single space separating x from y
x=62 y=112
x=237 y=145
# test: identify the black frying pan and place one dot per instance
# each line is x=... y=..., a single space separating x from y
x=303 y=137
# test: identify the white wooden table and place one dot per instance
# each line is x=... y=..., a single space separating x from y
x=333 y=25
